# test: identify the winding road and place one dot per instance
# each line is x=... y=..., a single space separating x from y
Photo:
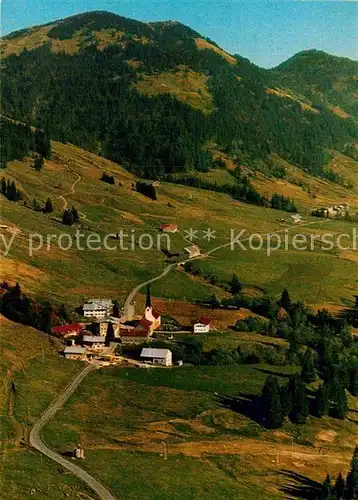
x=37 y=442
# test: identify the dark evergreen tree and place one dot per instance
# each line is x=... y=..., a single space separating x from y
x=337 y=395
x=327 y=489
x=63 y=314
x=352 y=478
x=109 y=334
x=214 y=302
x=321 y=403
x=67 y=217
x=271 y=403
x=353 y=381
x=48 y=208
x=75 y=216
x=116 y=310
x=235 y=285
x=299 y=411
x=39 y=163
x=285 y=300
x=308 y=370
x=339 y=487
x=42 y=144
x=3 y=189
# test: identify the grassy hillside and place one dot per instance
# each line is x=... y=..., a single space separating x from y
x=32 y=374
x=72 y=177
x=133 y=411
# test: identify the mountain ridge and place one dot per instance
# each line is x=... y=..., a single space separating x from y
x=158 y=96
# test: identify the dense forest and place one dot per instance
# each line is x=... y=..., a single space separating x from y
x=17 y=140
x=89 y=99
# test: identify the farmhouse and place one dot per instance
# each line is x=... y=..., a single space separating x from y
x=65 y=331
x=296 y=218
x=192 y=251
x=331 y=212
x=169 y=228
x=158 y=356
x=74 y=352
x=202 y=326
x=94 y=341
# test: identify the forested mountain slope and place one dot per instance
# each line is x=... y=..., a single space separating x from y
x=328 y=81
x=158 y=97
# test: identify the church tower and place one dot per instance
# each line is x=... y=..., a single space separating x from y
x=148 y=306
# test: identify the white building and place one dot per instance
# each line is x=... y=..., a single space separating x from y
x=202 y=326
x=97 y=308
x=158 y=356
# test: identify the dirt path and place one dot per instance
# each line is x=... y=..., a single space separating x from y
x=72 y=189
x=37 y=442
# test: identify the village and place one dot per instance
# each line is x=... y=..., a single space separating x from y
x=97 y=337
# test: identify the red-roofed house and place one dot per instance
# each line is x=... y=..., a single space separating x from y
x=169 y=228
x=138 y=332
x=202 y=326
x=68 y=330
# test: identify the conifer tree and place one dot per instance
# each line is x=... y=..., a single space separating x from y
x=63 y=314
x=337 y=395
x=67 y=217
x=3 y=186
x=353 y=381
x=109 y=334
x=214 y=302
x=235 y=285
x=352 y=478
x=285 y=300
x=271 y=403
x=75 y=215
x=308 y=371
x=327 y=489
x=299 y=410
x=39 y=163
x=48 y=208
x=339 y=487
x=321 y=405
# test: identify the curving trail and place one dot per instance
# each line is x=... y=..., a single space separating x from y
x=37 y=442
x=72 y=189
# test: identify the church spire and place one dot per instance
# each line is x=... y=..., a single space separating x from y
x=148 y=302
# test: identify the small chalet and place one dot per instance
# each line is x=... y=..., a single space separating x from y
x=68 y=330
x=192 y=251
x=169 y=228
x=157 y=356
x=202 y=326
x=74 y=352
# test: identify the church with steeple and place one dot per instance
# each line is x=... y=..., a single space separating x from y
x=151 y=315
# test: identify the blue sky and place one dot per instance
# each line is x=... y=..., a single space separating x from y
x=266 y=31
